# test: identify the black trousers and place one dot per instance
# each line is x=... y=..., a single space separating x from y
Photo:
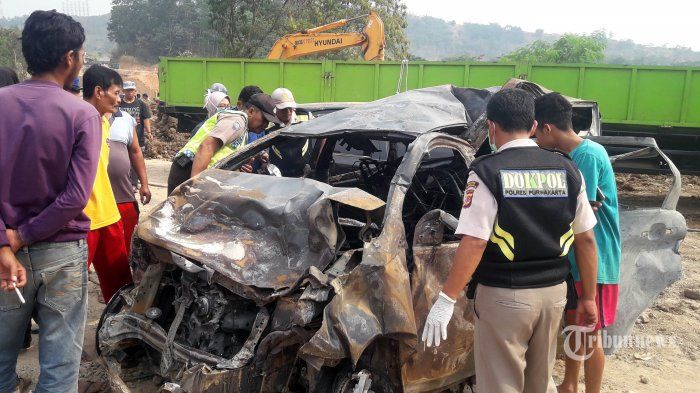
x=178 y=175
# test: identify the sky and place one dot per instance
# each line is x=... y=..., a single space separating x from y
x=671 y=22
x=12 y=8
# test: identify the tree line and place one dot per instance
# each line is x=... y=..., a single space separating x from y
x=148 y=29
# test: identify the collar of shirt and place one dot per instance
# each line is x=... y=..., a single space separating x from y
x=523 y=142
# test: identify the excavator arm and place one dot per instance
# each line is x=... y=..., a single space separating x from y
x=316 y=40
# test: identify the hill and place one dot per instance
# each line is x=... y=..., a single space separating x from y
x=437 y=39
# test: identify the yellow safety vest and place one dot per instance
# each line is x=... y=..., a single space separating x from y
x=192 y=146
x=297 y=119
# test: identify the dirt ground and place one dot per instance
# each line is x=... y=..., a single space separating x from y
x=145 y=75
x=673 y=316
x=673 y=368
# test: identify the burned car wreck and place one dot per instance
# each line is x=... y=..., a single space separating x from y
x=320 y=283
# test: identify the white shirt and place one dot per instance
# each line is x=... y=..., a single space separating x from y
x=122 y=129
x=477 y=217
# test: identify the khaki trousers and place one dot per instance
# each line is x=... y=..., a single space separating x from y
x=516 y=338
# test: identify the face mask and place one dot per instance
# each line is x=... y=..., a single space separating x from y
x=492 y=144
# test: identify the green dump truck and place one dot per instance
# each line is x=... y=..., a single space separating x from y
x=663 y=102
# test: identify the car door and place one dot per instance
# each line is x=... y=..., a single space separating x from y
x=433 y=248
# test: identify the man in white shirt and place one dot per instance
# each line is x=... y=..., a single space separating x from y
x=125 y=154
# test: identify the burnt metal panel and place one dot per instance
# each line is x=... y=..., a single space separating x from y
x=260 y=231
x=432 y=369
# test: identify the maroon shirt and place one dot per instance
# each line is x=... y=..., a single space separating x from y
x=49 y=147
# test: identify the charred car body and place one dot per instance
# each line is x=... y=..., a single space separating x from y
x=252 y=283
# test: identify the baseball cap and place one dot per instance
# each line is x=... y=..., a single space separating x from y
x=264 y=102
x=129 y=85
x=283 y=98
x=219 y=87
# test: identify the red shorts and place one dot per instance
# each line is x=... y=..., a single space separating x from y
x=107 y=251
x=130 y=217
x=606 y=300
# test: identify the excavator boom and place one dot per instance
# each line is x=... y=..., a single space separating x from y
x=316 y=40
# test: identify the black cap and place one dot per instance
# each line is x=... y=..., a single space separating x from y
x=264 y=102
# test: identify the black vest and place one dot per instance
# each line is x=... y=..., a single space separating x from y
x=536 y=191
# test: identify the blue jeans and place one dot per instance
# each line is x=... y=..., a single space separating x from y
x=57 y=289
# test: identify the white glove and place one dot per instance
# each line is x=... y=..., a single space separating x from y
x=438 y=318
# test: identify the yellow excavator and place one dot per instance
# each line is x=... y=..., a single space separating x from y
x=316 y=40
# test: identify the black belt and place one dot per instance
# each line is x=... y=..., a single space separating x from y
x=183 y=160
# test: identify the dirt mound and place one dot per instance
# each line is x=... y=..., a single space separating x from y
x=650 y=185
x=166 y=141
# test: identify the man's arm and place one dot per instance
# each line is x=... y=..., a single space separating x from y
x=11 y=270
x=204 y=154
x=587 y=262
x=464 y=264
x=71 y=201
x=228 y=128
x=4 y=241
x=475 y=225
x=139 y=165
x=586 y=254
x=590 y=168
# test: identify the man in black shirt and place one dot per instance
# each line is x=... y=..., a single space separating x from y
x=138 y=110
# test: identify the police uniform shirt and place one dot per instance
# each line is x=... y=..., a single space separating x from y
x=480 y=207
x=229 y=127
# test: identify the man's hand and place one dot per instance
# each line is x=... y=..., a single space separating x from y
x=11 y=271
x=15 y=239
x=264 y=160
x=438 y=319
x=145 y=193
x=248 y=166
x=586 y=313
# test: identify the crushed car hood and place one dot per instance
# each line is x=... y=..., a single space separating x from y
x=259 y=231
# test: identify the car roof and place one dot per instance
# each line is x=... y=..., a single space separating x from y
x=411 y=113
